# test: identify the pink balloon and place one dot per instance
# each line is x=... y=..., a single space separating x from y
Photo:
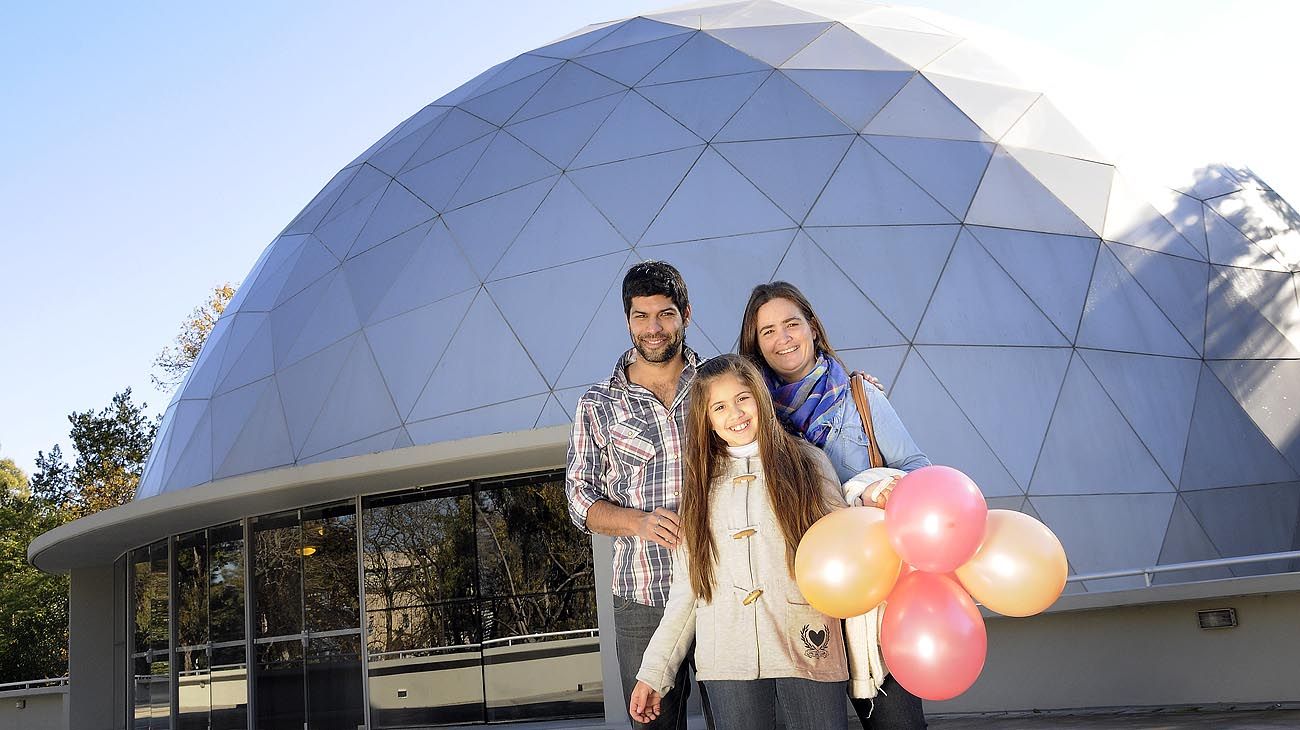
x=933 y=636
x=936 y=517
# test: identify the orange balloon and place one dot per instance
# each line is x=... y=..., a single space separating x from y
x=845 y=565
x=1020 y=568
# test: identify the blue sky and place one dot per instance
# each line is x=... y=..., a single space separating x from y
x=151 y=150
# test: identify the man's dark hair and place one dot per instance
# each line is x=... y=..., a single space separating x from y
x=649 y=278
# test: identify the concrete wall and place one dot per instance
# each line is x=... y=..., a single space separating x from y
x=42 y=709
x=96 y=672
x=1139 y=655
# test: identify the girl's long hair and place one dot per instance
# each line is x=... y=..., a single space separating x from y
x=764 y=293
x=794 y=478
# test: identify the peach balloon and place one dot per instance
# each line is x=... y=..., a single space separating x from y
x=1019 y=569
x=845 y=565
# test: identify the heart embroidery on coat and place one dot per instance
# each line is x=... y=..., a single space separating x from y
x=815 y=642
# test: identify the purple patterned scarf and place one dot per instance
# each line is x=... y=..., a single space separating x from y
x=806 y=406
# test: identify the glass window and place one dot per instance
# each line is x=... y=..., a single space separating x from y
x=422 y=619
x=334 y=690
x=329 y=550
x=226 y=583
x=541 y=646
x=280 y=687
x=277 y=589
x=229 y=688
x=151 y=679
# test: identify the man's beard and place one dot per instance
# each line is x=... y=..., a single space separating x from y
x=666 y=352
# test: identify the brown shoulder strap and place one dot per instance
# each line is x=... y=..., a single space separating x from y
x=864 y=411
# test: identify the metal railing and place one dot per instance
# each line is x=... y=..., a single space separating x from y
x=34 y=684
x=507 y=641
x=1150 y=571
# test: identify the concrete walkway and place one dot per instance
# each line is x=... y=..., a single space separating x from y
x=1254 y=718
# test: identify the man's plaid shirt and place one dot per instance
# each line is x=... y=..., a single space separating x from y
x=626 y=447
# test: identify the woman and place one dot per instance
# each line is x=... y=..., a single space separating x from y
x=810 y=389
x=750 y=493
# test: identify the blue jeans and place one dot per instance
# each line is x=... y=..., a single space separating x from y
x=893 y=708
x=758 y=703
x=634 y=624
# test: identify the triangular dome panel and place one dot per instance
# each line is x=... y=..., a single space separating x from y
x=524 y=302
x=436 y=180
x=1090 y=448
x=370 y=276
x=1186 y=542
x=306 y=384
x=1008 y=393
x=977 y=303
x=1053 y=270
x=916 y=49
x=1251 y=313
x=949 y=170
x=920 y=110
x=1119 y=315
x=458 y=129
x=1224 y=447
x=560 y=135
x=570 y=86
x=515 y=415
x=914 y=256
x=841 y=48
x=1250 y=521
x=849 y=316
x=358 y=405
x=993 y=107
x=1156 y=395
x=566 y=228
x=868 y=189
x=703 y=56
x=486 y=229
x=435 y=270
x=1010 y=197
x=1134 y=526
x=490 y=367
x=791 y=172
x=704 y=105
x=1176 y=285
x=780 y=109
x=261 y=436
x=771 y=44
x=714 y=200
x=407 y=362
x=629 y=64
x=853 y=96
x=635 y=128
x=506 y=164
x=1269 y=390
x=944 y=433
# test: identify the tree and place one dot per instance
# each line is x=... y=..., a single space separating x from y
x=34 y=632
x=175 y=361
x=111 y=445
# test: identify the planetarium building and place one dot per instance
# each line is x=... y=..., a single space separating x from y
x=354 y=513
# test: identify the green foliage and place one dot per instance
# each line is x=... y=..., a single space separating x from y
x=112 y=445
x=172 y=364
x=33 y=605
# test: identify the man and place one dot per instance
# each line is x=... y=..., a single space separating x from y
x=624 y=472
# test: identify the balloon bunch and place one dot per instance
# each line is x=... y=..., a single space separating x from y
x=932 y=552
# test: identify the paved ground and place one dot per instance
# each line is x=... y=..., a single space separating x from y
x=1200 y=718
x=1173 y=719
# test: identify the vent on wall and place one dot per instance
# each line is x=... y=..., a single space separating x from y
x=1217 y=618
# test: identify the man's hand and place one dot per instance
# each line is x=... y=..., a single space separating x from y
x=660 y=527
x=645 y=703
x=870 y=379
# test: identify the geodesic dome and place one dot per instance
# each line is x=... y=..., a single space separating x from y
x=1122 y=367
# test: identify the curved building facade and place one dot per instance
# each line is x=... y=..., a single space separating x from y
x=352 y=512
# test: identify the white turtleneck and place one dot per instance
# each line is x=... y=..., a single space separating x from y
x=740 y=452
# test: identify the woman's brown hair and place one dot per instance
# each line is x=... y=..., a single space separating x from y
x=764 y=293
x=794 y=477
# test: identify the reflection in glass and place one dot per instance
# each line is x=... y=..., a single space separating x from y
x=156 y=597
x=141 y=682
x=140 y=601
x=280 y=686
x=277 y=571
x=226 y=583
x=334 y=693
x=541 y=651
x=190 y=576
x=160 y=694
x=422 y=621
x=229 y=688
x=329 y=549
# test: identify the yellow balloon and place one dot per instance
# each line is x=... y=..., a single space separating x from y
x=845 y=565
x=1020 y=568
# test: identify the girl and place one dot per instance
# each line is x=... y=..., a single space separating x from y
x=750 y=493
